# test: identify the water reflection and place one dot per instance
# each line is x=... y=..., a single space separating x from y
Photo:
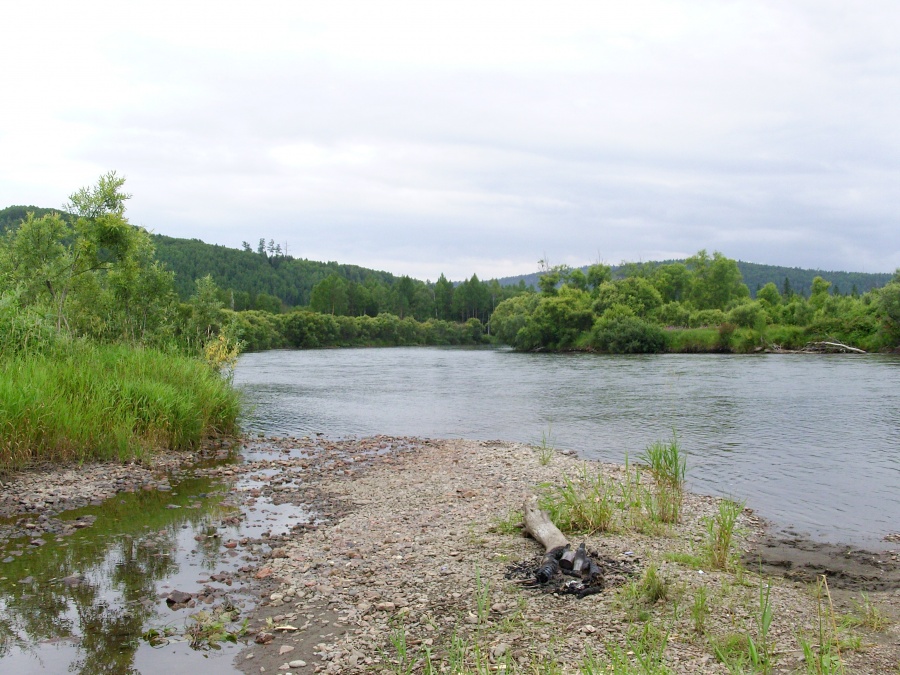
x=79 y=603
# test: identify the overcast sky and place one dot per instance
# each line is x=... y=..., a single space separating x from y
x=424 y=137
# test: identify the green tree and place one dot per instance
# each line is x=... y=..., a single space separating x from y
x=578 y=279
x=888 y=308
x=598 y=274
x=673 y=282
x=329 y=296
x=819 y=293
x=717 y=281
x=206 y=309
x=443 y=298
x=55 y=260
x=769 y=294
x=786 y=289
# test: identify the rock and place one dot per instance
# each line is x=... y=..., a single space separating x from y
x=385 y=606
x=263 y=638
x=284 y=649
x=178 y=598
x=297 y=664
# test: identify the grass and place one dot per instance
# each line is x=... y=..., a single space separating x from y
x=511 y=524
x=822 y=652
x=720 y=534
x=739 y=651
x=642 y=655
x=639 y=595
x=666 y=464
x=866 y=615
x=83 y=401
x=546 y=449
x=583 y=504
x=700 y=610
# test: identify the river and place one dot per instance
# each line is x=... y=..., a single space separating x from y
x=808 y=441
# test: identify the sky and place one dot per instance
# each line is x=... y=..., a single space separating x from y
x=429 y=137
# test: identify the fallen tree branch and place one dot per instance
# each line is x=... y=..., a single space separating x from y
x=829 y=347
x=541 y=528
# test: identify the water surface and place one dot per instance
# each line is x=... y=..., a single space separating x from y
x=809 y=441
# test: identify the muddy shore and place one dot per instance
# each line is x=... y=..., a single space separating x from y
x=412 y=539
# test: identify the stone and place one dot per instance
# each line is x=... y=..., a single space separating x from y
x=178 y=598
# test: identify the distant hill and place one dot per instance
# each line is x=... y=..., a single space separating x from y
x=756 y=276
x=13 y=215
x=290 y=279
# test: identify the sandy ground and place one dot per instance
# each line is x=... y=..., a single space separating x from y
x=413 y=553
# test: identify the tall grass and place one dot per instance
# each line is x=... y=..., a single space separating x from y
x=720 y=533
x=666 y=464
x=82 y=401
x=584 y=504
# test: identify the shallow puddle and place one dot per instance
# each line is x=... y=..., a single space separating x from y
x=80 y=593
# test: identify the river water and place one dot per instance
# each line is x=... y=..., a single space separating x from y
x=810 y=442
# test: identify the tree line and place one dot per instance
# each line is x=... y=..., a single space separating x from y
x=701 y=304
x=85 y=270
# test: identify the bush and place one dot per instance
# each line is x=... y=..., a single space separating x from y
x=707 y=317
x=748 y=315
x=674 y=314
x=628 y=335
x=557 y=322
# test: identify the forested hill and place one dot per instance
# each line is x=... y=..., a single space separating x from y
x=289 y=279
x=11 y=216
x=755 y=277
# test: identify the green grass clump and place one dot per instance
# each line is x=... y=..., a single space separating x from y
x=666 y=464
x=82 y=401
x=700 y=610
x=693 y=340
x=581 y=505
x=867 y=615
x=720 y=533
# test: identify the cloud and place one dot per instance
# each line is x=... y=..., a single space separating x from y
x=472 y=137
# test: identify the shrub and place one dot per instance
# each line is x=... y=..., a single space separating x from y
x=628 y=335
x=747 y=315
x=707 y=317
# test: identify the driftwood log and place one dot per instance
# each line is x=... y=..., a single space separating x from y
x=825 y=347
x=558 y=553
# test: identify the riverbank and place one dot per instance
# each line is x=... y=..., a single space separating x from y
x=418 y=556
x=411 y=549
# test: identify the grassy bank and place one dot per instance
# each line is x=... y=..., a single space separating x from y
x=81 y=401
